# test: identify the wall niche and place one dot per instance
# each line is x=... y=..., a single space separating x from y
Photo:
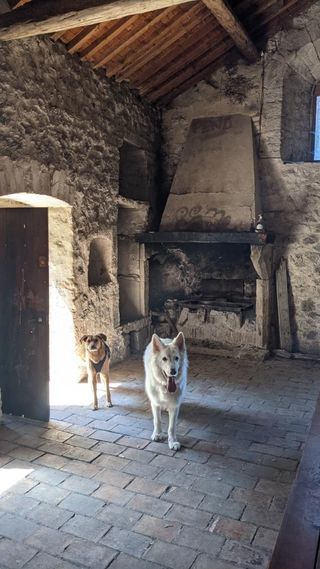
x=133 y=173
x=131 y=285
x=100 y=261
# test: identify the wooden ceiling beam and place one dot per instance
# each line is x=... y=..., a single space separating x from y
x=194 y=79
x=83 y=36
x=184 y=84
x=161 y=65
x=163 y=40
x=191 y=53
x=191 y=69
x=17 y=3
x=108 y=35
x=181 y=53
x=229 y=21
x=147 y=25
x=49 y=16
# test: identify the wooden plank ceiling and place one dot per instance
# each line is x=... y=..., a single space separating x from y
x=164 y=52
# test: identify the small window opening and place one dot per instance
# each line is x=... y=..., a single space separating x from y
x=316 y=123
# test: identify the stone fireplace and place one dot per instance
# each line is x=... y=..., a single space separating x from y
x=210 y=272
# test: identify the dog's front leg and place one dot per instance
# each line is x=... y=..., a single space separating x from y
x=92 y=378
x=172 y=437
x=105 y=378
x=156 y=412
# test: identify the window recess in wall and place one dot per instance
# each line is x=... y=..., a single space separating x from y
x=316 y=123
x=100 y=259
x=133 y=182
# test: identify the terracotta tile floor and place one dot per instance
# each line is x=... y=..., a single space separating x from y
x=89 y=489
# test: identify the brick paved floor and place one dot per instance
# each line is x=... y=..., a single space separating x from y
x=89 y=489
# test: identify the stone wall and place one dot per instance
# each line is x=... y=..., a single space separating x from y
x=276 y=93
x=61 y=129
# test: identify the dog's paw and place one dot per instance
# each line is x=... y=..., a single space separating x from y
x=174 y=445
x=157 y=437
x=109 y=404
x=94 y=407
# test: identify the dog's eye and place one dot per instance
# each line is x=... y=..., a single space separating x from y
x=176 y=358
x=164 y=359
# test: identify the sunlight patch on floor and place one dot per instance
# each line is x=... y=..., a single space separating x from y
x=9 y=477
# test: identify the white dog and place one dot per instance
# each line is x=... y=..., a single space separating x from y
x=166 y=365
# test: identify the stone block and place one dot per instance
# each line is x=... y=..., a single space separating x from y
x=15 y=555
x=265 y=538
x=109 y=493
x=180 y=496
x=262 y=517
x=127 y=541
x=157 y=528
x=148 y=487
x=47 y=493
x=170 y=555
x=149 y=505
x=45 y=561
x=244 y=555
x=87 y=528
x=80 y=484
x=49 y=540
x=89 y=554
x=16 y=527
x=189 y=516
x=48 y=515
x=124 y=561
x=233 y=529
x=119 y=516
x=200 y=540
x=80 y=504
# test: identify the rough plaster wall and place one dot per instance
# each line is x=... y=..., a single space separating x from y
x=61 y=127
x=290 y=192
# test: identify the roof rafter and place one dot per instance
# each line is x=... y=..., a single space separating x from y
x=133 y=37
x=108 y=36
x=164 y=39
x=191 y=69
x=50 y=16
x=83 y=36
x=229 y=21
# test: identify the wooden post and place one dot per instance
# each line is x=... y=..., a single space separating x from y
x=261 y=257
x=283 y=307
x=263 y=312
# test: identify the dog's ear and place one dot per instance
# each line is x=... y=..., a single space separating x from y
x=179 y=341
x=83 y=339
x=157 y=345
x=103 y=337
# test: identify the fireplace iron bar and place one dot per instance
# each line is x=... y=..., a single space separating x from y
x=244 y=237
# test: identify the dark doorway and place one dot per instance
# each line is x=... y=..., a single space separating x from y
x=24 y=310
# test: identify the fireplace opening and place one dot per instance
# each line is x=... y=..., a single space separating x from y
x=208 y=292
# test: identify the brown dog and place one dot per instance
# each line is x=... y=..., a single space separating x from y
x=98 y=361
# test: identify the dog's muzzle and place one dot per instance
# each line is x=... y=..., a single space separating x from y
x=171 y=384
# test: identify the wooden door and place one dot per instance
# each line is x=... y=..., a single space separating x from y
x=24 y=312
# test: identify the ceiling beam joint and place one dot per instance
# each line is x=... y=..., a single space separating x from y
x=232 y=25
